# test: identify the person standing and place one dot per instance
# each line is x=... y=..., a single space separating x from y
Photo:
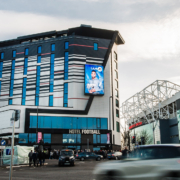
x=40 y=157
x=51 y=155
x=125 y=153
x=34 y=157
x=43 y=157
x=30 y=157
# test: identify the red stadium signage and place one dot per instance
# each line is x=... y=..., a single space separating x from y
x=135 y=125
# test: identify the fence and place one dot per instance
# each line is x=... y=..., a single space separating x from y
x=5 y=161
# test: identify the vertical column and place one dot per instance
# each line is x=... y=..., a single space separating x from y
x=12 y=81
x=24 y=82
x=51 y=89
x=65 y=103
x=1 y=69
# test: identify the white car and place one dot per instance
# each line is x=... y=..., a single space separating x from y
x=146 y=162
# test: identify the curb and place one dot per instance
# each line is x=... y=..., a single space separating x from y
x=7 y=167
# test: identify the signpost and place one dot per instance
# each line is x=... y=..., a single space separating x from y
x=3 y=142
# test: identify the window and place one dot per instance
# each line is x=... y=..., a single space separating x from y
x=100 y=138
x=10 y=101
x=116 y=93
x=39 y=59
x=117 y=103
x=14 y=54
x=2 y=55
x=26 y=52
x=23 y=138
x=25 y=66
x=115 y=55
x=37 y=85
x=95 y=46
x=117 y=127
x=116 y=74
x=115 y=65
x=72 y=138
x=65 y=94
x=117 y=113
x=24 y=91
x=39 y=49
x=66 y=66
x=116 y=84
x=66 y=45
x=32 y=138
x=1 y=68
x=52 y=47
x=52 y=73
x=68 y=122
x=51 y=100
x=47 y=138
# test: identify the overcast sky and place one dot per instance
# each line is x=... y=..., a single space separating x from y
x=150 y=28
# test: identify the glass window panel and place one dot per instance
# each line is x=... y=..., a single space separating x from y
x=74 y=123
x=94 y=138
x=10 y=101
x=115 y=65
x=51 y=100
x=66 y=45
x=39 y=59
x=117 y=113
x=117 y=127
x=47 y=138
x=79 y=125
x=117 y=103
x=67 y=123
x=23 y=138
x=116 y=93
x=98 y=139
x=2 y=55
x=95 y=46
x=116 y=84
x=116 y=73
x=40 y=121
x=39 y=49
x=98 y=123
x=115 y=55
x=52 y=47
x=32 y=137
x=47 y=122
x=84 y=123
x=14 y=54
x=60 y=123
x=104 y=138
x=26 y=51
x=90 y=123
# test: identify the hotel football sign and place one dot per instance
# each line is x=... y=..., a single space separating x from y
x=84 y=131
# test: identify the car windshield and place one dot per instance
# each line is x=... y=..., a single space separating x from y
x=66 y=153
x=156 y=152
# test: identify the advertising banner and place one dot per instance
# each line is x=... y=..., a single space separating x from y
x=94 y=79
x=8 y=151
x=108 y=138
x=39 y=136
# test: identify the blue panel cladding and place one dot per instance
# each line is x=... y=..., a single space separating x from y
x=12 y=81
x=51 y=73
x=24 y=91
x=37 y=85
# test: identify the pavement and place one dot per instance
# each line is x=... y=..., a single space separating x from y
x=81 y=171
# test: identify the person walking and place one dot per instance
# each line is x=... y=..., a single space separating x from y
x=34 y=157
x=40 y=157
x=43 y=157
x=30 y=157
x=51 y=155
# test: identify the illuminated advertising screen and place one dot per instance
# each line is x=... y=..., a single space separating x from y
x=94 y=79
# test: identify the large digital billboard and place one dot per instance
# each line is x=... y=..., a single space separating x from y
x=94 y=79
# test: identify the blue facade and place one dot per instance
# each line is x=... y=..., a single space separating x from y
x=52 y=122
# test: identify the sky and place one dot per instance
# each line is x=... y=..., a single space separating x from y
x=150 y=28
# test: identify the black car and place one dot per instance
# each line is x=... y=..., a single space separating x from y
x=66 y=157
x=88 y=155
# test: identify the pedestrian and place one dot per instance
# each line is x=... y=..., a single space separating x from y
x=34 y=157
x=51 y=155
x=30 y=157
x=125 y=153
x=40 y=157
x=43 y=157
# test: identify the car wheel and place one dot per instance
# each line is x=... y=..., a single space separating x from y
x=98 y=159
x=82 y=159
x=108 y=176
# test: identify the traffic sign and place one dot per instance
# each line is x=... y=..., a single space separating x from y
x=3 y=142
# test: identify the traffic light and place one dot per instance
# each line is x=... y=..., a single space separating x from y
x=133 y=139
x=142 y=141
x=17 y=115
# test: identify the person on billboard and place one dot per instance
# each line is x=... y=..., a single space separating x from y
x=94 y=85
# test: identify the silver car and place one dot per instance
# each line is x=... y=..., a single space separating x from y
x=146 y=162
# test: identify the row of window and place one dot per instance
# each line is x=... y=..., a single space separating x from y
x=52 y=122
x=25 y=138
x=39 y=50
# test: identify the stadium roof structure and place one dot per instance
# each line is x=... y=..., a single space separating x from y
x=156 y=101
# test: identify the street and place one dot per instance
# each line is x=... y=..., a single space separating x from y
x=81 y=170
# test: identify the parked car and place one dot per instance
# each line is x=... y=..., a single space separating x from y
x=88 y=155
x=66 y=157
x=150 y=162
x=114 y=155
